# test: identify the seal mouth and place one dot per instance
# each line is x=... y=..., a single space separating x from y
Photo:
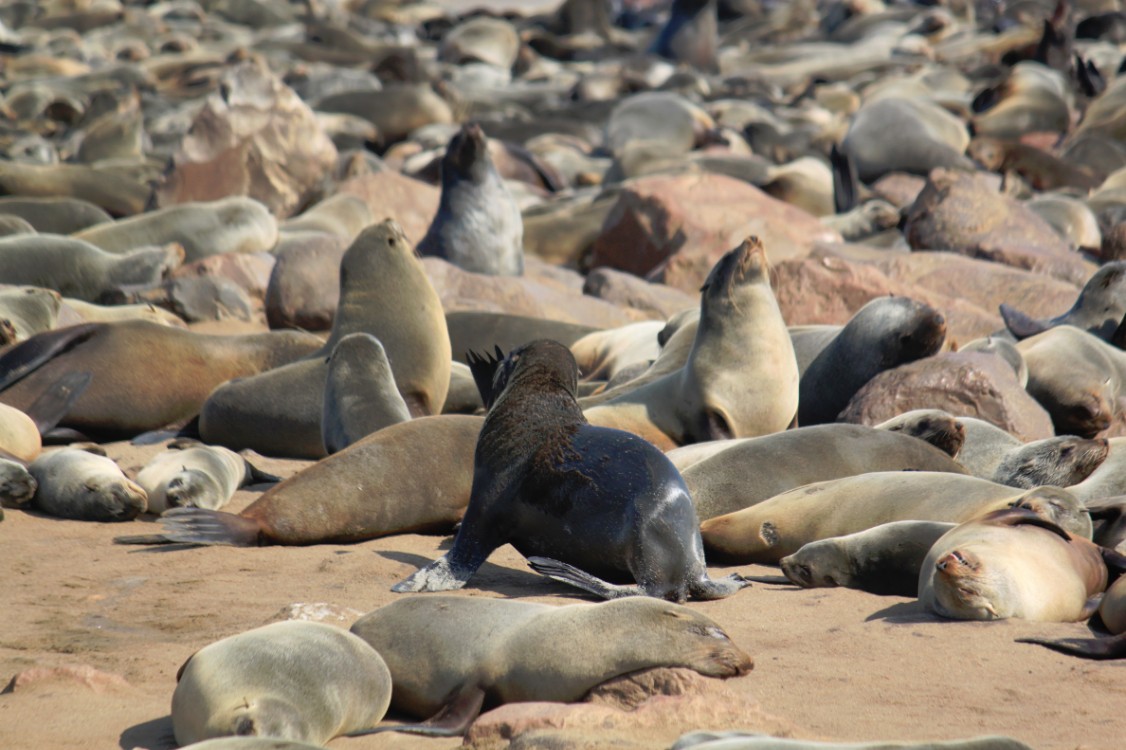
x=955 y=563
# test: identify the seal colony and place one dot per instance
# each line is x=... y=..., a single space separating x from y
x=643 y=204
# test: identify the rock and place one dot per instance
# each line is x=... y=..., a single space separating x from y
x=828 y=289
x=198 y=298
x=899 y=188
x=965 y=384
x=249 y=271
x=75 y=674
x=649 y=709
x=318 y=612
x=253 y=137
x=389 y=194
x=673 y=228
x=304 y=287
x=533 y=295
x=626 y=289
x=961 y=212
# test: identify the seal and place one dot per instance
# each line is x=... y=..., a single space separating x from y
x=1098 y=309
x=384 y=291
x=760 y=468
x=360 y=394
x=481 y=330
x=690 y=35
x=1112 y=612
x=26 y=311
x=78 y=269
x=885 y=333
x=884 y=559
x=231 y=225
x=939 y=428
x=410 y=477
x=54 y=215
x=1004 y=349
x=190 y=475
x=292 y=680
x=1076 y=377
x=736 y=740
x=453 y=654
x=342 y=215
x=780 y=526
x=1059 y=461
x=109 y=190
x=85 y=487
x=1012 y=563
x=740 y=378
x=580 y=501
x=602 y=355
x=17 y=486
x=130 y=394
x=478 y=226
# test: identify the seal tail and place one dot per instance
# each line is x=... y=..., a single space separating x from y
x=201 y=526
x=1113 y=647
x=569 y=574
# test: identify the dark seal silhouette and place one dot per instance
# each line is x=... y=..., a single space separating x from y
x=580 y=501
x=478 y=225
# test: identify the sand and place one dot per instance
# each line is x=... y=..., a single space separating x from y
x=838 y=664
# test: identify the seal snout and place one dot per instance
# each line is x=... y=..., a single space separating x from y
x=955 y=563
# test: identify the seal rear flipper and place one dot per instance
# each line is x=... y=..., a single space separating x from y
x=569 y=574
x=1085 y=648
x=452 y=719
x=201 y=526
x=484 y=369
x=257 y=476
x=1020 y=325
x=54 y=403
x=846 y=186
x=24 y=358
x=146 y=539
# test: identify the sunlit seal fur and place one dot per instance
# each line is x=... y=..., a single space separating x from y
x=86 y=487
x=196 y=476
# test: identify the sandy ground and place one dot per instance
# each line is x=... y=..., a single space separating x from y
x=838 y=664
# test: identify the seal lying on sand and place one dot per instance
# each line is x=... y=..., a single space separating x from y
x=86 y=487
x=555 y=486
x=449 y=656
x=291 y=680
x=196 y=476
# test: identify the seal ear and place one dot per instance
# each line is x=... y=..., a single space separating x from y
x=1019 y=324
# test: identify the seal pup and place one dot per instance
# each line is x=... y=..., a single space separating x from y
x=293 y=680
x=1098 y=310
x=83 y=486
x=478 y=226
x=384 y=291
x=360 y=394
x=554 y=486
x=449 y=655
x=763 y=467
x=128 y=393
x=190 y=475
x=884 y=559
x=1012 y=563
x=780 y=526
x=17 y=486
x=411 y=477
x=739 y=378
x=885 y=333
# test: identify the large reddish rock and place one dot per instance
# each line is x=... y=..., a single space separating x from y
x=673 y=228
x=645 y=710
x=965 y=384
x=623 y=288
x=389 y=194
x=826 y=288
x=533 y=294
x=249 y=271
x=253 y=137
x=304 y=288
x=964 y=212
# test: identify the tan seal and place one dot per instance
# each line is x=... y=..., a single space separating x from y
x=292 y=680
x=457 y=654
x=83 y=486
x=196 y=476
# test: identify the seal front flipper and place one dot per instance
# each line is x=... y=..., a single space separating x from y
x=54 y=403
x=440 y=575
x=452 y=720
x=1020 y=325
x=200 y=526
x=569 y=574
x=1085 y=648
x=28 y=356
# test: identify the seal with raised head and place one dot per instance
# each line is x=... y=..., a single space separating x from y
x=1012 y=563
x=780 y=526
x=191 y=475
x=1098 y=309
x=292 y=680
x=360 y=394
x=478 y=225
x=456 y=654
x=581 y=501
x=411 y=477
x=76 y=484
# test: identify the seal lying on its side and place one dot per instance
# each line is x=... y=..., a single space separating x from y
x=196 y=476
x=291 y=680
x=555 y=486
x=453 y=655
x=86 y=487
x=1012 y=563
x=1112 y=612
